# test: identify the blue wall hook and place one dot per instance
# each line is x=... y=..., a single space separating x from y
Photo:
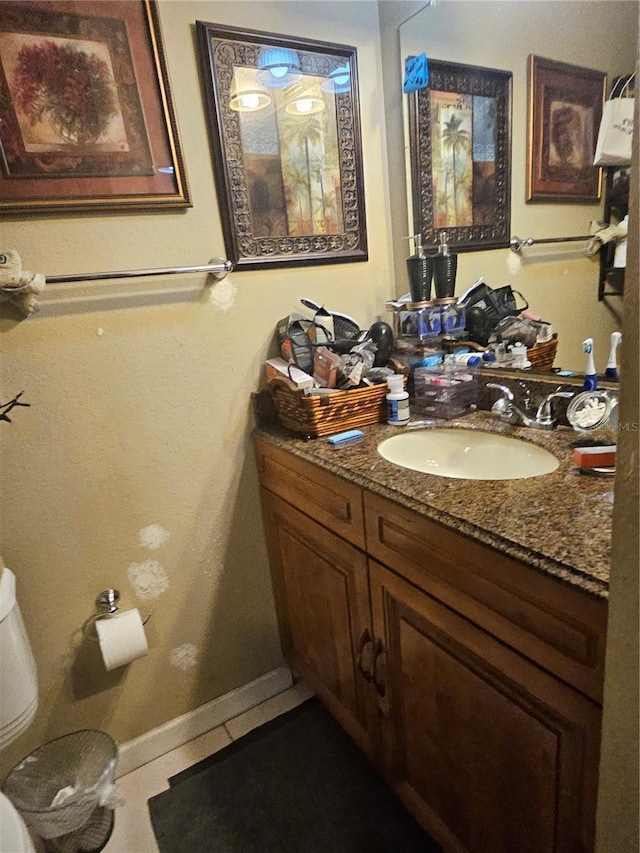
x=416 y=73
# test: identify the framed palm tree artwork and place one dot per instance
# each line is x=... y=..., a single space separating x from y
x=460 y=151
x=284 y=128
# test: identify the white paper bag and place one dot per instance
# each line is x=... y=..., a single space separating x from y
x=616 y=131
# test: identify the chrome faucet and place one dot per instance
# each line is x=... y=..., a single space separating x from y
x=506 y=409
x=544 y=415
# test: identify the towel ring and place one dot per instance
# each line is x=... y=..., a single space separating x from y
x=107 y=604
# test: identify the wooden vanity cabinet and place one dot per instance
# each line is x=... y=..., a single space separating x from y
x=489 y=751
x=471 y=680
x=321 y=594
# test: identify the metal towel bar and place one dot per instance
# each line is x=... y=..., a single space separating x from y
x=217 y=267
x=516 y=243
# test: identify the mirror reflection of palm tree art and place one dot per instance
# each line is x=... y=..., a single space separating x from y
x=460 y=148
x=463 y=129
x=451 y=143
x=310 y=172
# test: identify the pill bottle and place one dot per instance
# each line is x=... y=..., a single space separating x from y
x=471 y=359
x=397 y=401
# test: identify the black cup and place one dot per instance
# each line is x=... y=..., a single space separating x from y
x=444 y=273
x=420 y=275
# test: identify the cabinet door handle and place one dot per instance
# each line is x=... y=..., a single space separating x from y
x=377 y=651
x=365 y=639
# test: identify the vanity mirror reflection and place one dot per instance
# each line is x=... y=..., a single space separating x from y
x=559 y=281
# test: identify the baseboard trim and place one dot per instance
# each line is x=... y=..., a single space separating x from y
x=134 y=753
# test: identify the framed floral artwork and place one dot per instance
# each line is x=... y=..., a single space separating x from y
x=86 y=114
x=564 y=112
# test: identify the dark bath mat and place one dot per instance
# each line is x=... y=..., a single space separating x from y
x=295 y=785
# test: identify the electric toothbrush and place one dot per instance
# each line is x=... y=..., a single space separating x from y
x=590 y=375
x=611 y=371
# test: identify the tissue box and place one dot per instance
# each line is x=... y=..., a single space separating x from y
x=445 y=391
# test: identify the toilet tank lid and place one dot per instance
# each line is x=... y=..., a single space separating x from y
x=7 y=592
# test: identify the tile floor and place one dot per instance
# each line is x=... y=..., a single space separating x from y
x=133 y=832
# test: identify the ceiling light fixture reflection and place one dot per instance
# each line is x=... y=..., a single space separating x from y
x=339 y=81
x=278 y=67
x=307 y=101
x=247 y=95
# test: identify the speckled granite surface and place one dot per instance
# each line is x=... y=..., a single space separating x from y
x=559 y=523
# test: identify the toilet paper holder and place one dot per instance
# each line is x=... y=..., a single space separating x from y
x=107 y=604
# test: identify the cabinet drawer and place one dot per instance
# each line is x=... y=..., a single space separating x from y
x=335 y=503
x=560 y=628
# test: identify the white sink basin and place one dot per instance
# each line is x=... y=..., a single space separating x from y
x=467 y=454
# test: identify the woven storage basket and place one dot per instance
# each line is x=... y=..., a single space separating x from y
x=543 y=355
x=317 y=416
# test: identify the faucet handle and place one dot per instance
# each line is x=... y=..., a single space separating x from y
x=545 y=414
x=506 y=392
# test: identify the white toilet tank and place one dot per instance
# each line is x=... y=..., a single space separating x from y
x=18 y=677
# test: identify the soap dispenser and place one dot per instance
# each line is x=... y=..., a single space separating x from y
x=420 y=269
x=445 y=268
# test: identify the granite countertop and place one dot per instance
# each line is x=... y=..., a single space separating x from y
x=558 y=523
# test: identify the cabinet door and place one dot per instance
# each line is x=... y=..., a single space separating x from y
x=322 y=599
x=489 y=751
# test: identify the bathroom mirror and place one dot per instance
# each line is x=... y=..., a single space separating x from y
x=558 y=280
x=284 y=128
x=460 y=147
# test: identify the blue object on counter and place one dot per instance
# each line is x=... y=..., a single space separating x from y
x=344 y=437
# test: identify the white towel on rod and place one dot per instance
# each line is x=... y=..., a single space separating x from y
x=18 y=286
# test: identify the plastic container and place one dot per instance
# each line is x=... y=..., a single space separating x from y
x=427 y=322
x=591 y=410
x=398 y=412
x=446 y=391
x=65 y=792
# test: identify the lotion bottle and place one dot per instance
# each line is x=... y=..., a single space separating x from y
x=420 y=270
x=397 y=401
x=444 y=269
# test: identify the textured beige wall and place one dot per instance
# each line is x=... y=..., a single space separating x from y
x=140 y=415
x=558 y=281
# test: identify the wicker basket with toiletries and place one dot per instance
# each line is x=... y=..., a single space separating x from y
x=317 y=416
x=543 y=355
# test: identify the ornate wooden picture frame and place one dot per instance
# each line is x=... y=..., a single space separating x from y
x=564 y=111
x=460 y=151
x=86 y=116
x=284 y=127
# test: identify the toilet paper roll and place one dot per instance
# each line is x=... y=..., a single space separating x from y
x=122 y=638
